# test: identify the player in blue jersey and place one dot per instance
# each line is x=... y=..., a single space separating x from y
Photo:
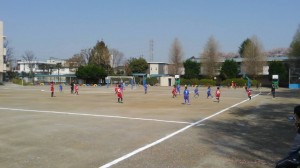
x=145 y=88
x=186 y=95
x=196 y=91
x=209 y=92
x=178 y=89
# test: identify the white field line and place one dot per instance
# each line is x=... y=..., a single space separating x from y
x=96 y=115
x=169 y=136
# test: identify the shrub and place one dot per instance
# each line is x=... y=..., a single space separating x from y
x=18 y=81
x=240 y=82
x=152 y=81
x=188 y=81
x=207 y=82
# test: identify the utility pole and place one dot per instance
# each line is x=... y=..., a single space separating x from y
x=151 y=50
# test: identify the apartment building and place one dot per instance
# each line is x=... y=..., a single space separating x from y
x=46 y=71
x=2 y=54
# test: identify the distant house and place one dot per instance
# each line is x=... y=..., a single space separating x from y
x=160 y=70
x=46 y=71
x=119 y=70
x=157 y=69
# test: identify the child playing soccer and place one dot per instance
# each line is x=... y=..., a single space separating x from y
x=52 y=89
x=60 y=87
x=119 y=94
x=76 y=89
x=116 y=88
x=186 y=95
x=145 y=88
x=72 y=87
x=273 y=90
x=174 y=91
x=248 y=92
x=122 y=87
x=218 y=94
x=209 y=92
x=178 y=89
x=196 y=91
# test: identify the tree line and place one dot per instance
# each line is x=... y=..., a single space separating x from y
x=99 y=61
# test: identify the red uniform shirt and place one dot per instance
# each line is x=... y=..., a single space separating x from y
x=119 y=93
x=174 y=91
x=51 y=87
x=218 y=93
x=76 y=88
x=249 y=92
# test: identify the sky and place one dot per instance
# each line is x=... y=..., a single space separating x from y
x=61 y=28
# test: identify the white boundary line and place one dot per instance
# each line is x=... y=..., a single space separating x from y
x=168 y=136
x=96 y=115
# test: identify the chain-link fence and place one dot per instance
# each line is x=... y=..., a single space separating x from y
x=294 y=78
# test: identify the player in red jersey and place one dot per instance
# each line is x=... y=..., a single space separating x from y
x=248 y=92
x=119 y=94
x=76 y=89
x=174 y=92
x=52 y=89
x=218 y=94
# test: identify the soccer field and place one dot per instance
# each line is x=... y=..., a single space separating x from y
x=152 y=130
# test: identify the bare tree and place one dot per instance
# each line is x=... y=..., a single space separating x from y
x=30 y=58
x=76 y=61
x=9 y=52
x=86 y=54
x=210 y=57
x=127 y=68
x=176 y=57
x=117 y=57
x=254 y=58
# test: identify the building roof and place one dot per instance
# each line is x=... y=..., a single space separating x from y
x=157 y=63
x=47 y=75
x=240 y=59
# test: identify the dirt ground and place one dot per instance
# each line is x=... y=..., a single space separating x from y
x=152 y=130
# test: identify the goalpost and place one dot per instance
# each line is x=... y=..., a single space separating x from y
x=128 y=80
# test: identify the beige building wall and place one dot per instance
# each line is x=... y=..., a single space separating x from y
x=167 y=81
x=2 y=65
x=153 y=69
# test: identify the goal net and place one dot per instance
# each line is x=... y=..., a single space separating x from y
x=127 y=80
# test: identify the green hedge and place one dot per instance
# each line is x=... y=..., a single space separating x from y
x=203 y=82
x=19 y=82
x=240 y=82
x=152 y=81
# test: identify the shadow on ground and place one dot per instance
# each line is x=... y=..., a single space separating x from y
x=256 y=137
x=283 y=93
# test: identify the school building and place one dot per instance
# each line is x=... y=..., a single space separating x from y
x=46 y=71
x=2 y=54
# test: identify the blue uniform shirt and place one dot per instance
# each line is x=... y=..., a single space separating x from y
x=186 y=93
